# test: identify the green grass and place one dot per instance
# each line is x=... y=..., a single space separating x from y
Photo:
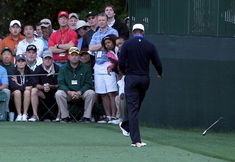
x=73 y=142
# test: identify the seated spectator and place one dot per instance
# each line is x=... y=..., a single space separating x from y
x=4 y=85
x=75 y=82
x=20 y=86
x=46 y=85
x=6 y=55
x=31 y=57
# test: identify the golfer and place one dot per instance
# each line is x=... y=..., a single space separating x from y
x=134 y=60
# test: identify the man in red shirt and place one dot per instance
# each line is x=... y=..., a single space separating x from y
x=61 y=40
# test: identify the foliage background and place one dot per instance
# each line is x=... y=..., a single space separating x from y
x=31 y=12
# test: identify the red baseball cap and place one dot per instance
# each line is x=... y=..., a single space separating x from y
x=63 y=13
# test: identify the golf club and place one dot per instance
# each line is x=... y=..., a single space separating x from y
x=204 y=133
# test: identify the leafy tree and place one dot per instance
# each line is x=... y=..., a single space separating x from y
x=31 y=12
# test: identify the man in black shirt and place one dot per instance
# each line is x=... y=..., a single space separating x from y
x=46 y=83
x=134 y=60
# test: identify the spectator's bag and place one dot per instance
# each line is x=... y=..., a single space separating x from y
x=3 y=108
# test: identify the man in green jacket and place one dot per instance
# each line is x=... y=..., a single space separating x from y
x=75 y=82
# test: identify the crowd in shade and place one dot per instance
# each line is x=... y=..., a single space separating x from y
x=76 y=63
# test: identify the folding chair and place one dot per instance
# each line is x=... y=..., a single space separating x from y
x=76 y=109
x=49 y=109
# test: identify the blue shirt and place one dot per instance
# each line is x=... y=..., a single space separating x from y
x=45 y=42
x=3 y=76
x=99 y=35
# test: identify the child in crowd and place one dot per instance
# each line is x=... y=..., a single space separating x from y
x=105 y=78
x=109 y=44
x=21 y=85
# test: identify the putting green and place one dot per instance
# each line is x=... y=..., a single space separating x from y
x=73 y=142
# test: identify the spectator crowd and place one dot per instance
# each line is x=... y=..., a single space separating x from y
x=77 y=63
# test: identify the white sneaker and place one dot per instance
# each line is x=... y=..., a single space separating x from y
x=24 y=117
x=56 y=120
x=124 y=132
x=34 y=118
x=114 y=121
x=18 y=118
x=138 y=144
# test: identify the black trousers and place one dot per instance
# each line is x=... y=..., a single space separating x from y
x=135 y=89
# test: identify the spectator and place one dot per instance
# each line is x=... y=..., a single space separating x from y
x=109 y=45
x=6 y=59
x=104 y=30
x=30 y=39
x=38 y=31
x=120 y=100
x=116 y=24
x=104 y=83
x=13 y=38
x=4 y=85
x=81 y=29
x=20 y=86
x=85 y=57
x=31 y=57
x=73 y=19
x=46 y=32
x=46 y=85
x=61 y=40
x=93 y=23
x=75 y=82
x=134 y=61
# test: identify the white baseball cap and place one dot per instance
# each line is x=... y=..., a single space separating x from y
x=13 y=22
x=81 y=23
x=138 y=26
x=45 y=23
x=73 y=15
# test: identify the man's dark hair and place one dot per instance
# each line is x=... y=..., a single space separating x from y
x=103 y=14
x=110 y=5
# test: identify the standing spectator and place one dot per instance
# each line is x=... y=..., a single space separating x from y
x=20 y=86
x=116 y=24
x=6 y=56
x=38 y=31
x=104 y=83
x=73 y=19
x=61 y=40
x=46 y=85
x=13 y=38
x=93 y=23
x=46 y=32
x=134 y=60
x=31 y=57
x=4 y=85
x=75 y=82
x=104 y=30
x=81 y=29
x=30 y=39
